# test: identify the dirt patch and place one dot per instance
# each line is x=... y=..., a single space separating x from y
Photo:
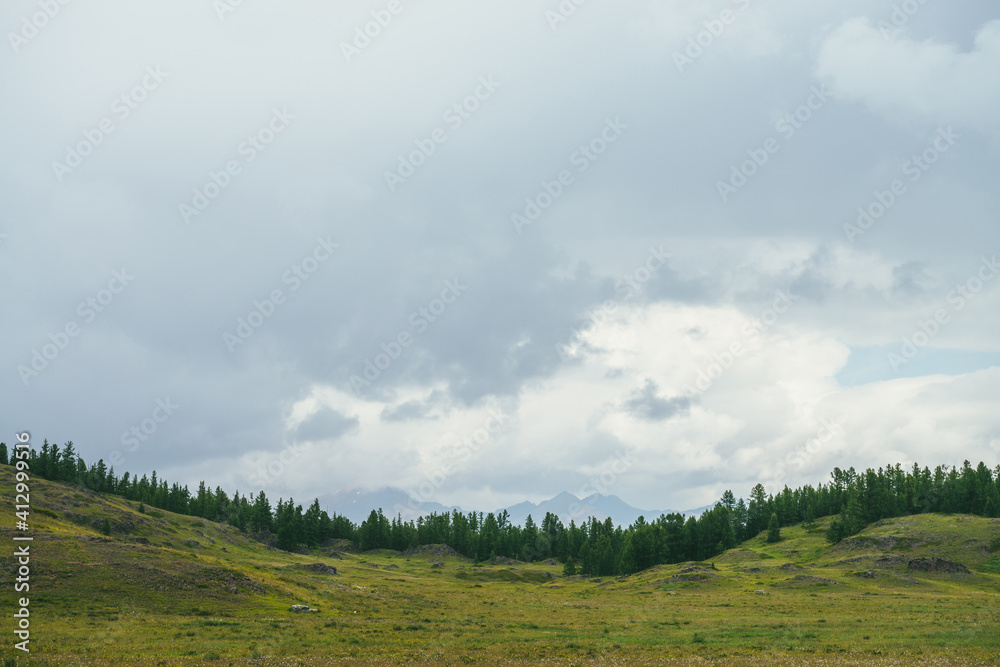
x=809 y=580
x=889 y=561
x=877 y=543
x=695 y=573
x=851 y=561
x=738 y=555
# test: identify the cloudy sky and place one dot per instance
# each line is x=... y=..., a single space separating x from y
x=500 y=250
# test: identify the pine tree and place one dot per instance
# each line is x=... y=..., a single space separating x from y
x=586 y=559
x=3 y=453
x=809 y=516
x=853 y=517
x=106 y=526
x=569 y=569
x=67 y=467
x=835 y=532
x=773 y=529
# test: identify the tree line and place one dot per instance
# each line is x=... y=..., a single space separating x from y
x=593 y=547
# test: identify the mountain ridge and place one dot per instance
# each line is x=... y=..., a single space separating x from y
x=356 y=503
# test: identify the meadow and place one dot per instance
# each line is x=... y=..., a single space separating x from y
x=166 y=589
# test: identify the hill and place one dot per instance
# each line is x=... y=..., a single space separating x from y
x=171 y=589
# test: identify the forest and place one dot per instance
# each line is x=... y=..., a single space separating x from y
x=593 y=547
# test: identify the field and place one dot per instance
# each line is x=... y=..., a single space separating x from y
x=165 y=589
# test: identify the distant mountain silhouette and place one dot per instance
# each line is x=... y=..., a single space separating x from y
x=357 y=503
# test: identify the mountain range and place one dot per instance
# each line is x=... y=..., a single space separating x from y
x=356 y=504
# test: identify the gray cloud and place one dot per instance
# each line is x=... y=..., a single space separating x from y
x=202 y=285
x=646 y=404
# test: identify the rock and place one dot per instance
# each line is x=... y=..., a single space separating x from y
x=550 y=561
x=869 y=574
x=224 y=550
x=436 y=550
x=335 y=554
x=392 y=567
x=938 y=565
x=761 y=592
x=302 y=609
x=435 y=564
x=141 y=540
x=318 y=568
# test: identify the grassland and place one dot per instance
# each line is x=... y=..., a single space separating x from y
x=165 y=589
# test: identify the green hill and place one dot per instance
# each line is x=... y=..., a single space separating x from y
x=166 y=589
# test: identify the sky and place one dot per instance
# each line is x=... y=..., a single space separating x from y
x=491 y=252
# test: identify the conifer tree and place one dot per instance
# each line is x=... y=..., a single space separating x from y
x=773 y=529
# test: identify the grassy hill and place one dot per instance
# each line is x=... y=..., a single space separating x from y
x=165 y=589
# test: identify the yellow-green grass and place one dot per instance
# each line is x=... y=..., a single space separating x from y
x=99 y=600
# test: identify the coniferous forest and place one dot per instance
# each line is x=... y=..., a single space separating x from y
x=591 y=547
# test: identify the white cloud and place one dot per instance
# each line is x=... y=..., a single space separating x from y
x=761 y=420
x=907 y=81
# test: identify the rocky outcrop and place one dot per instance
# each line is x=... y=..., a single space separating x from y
x=303 y=609
x=937 y=565
x=435 y=550
x=318 y=568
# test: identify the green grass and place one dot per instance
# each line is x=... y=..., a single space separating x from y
x=182 y=600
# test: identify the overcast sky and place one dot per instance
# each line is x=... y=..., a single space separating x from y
x=496 y=251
